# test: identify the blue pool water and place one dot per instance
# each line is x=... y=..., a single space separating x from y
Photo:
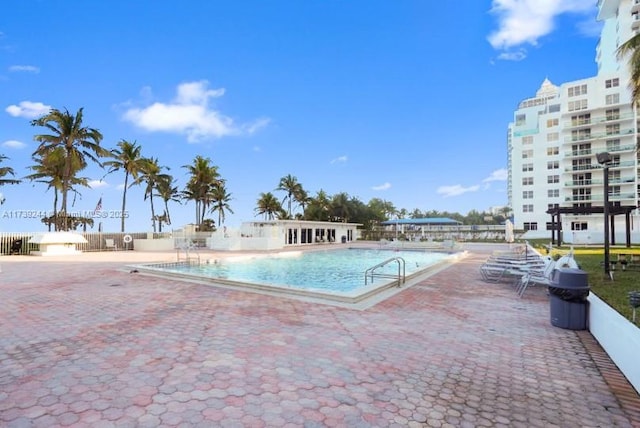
x=334 y=271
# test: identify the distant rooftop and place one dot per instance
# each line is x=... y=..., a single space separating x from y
x=423 y=221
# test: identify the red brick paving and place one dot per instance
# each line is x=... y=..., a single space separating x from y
x=85 y=344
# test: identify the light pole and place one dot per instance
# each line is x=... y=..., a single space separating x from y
x=604 y=159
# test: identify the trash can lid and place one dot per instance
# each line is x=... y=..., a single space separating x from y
x=569 y=278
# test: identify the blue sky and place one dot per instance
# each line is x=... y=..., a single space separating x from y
x=407 y=101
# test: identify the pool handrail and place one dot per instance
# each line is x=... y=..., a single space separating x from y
x=401 y=266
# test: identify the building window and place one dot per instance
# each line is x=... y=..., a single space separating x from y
x=552 y=122
x=553 y=136
x=527 y=181
x=578 y=90
x=527 y=154
x=579 y=225
x=554 y=108
x=581 y=164
x=550 y=226
x=581 y=119
x=582 y=149
x=613 y=129
x=551 y=151
x=578 y=105
x=527 y=167
x=580 y=134
x=551 y=179
x=553 y=193
x=527 y=208
x=612 y=99
x=531 y=226
x=521 y=119
x=613 y=144
x=553 y=206
x=612 y=83
x=612 y=113
x=527 y=140
x=553 y=165
x=527 y=194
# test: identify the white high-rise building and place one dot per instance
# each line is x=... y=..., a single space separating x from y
x=555 y=136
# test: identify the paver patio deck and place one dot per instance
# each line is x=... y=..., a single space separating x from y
x=84 y=343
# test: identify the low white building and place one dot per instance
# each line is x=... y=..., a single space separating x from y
x=279 y=234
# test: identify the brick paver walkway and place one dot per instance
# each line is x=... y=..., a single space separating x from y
x=85 y=344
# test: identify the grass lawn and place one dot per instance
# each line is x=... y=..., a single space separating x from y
x=616 y=292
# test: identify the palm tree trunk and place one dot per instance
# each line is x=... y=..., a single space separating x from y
x=153 y=213
x=124 y=201
x=55 y=211
x=166 y=212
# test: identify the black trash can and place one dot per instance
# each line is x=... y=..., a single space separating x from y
x=568 y=292
x=344 y=239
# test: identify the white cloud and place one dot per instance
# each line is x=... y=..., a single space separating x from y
x=28 y=109
x=517 y=55
x=255 y=126
x=523 y=22
x=384 y=186
x=456 y=190
x=497 y=175
x=96 y=184
x=340 y=159
x=14 y=144
x=190 y=114
x=25 y=68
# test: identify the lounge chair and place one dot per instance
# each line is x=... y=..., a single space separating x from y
x=510 y=266
x=110 y=244
x=536 y=277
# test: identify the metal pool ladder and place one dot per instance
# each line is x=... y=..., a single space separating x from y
x=186 y=247
x=371 y=272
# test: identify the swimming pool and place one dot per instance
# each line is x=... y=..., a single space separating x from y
x=337 y=275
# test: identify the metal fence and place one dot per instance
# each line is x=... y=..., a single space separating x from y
x=96 y=241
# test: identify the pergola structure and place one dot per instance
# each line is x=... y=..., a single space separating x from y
x=614 y=210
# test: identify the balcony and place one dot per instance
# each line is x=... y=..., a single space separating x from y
x=621 y=196
x=625 y=148
x=525 y=132
x=599 y=182
x=599 y=197
x=584 y=198
x=574 y=153
x=589 y=137
x=589 y=167
x=594 y=120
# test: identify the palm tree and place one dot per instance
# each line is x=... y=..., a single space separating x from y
x=302 y=198
x=340 y=207
x=631 y=48
x=78 y=142
x=289 y=184
x=220 y=201
x=49 y=169
x=168 y=192
x=5 y=171
x=318 y=207
x=268 y=206
x=126 y=157
x=204 y=176
x=151 y=174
